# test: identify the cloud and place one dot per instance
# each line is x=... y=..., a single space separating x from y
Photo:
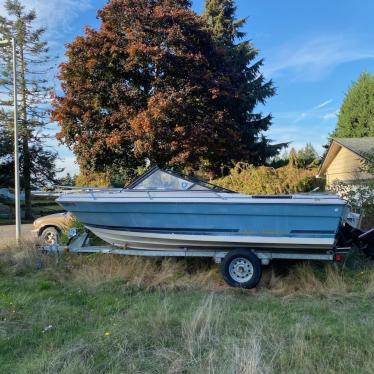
x=316 y=111
x=301 y=134
x=313 y=59
x=311 y=125
x=330 y=115
x=57 y=15
x=323 y=104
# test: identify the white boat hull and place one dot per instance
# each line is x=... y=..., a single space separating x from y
x=151 y=240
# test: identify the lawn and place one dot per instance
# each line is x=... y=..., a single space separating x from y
x=112 y=314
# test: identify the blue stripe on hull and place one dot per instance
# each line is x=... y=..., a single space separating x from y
x=192 y=231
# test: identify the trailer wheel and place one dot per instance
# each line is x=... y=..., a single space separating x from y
x=241 y=268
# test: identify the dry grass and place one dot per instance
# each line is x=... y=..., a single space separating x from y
x=247 y=358
x=147 y=272
x=303 y=278
x=198 y=332
x=19 y=258
x=172 y=273
x=202 y=348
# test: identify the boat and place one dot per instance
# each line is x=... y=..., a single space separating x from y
x=166 y=210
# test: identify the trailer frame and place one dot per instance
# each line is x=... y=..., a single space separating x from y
x=81 y=244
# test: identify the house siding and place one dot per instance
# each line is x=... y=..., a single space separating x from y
x=345 y=167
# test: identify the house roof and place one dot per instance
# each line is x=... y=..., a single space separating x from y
x=359 y=146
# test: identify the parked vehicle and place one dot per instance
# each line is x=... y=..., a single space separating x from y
x=49 y=228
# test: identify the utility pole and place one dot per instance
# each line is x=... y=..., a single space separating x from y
x=17 y=188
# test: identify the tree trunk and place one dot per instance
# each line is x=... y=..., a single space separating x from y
x=25 y=134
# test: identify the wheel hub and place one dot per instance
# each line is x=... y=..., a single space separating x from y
x=241 y=270
x=50 y=238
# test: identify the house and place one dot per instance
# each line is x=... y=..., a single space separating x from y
x=344 y=160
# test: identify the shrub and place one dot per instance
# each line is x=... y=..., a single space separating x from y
x=249 y=179
x=92 y=180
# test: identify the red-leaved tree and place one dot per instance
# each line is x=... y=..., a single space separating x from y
x=150 y=84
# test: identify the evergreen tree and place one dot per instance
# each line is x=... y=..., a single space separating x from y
x=220 y=18
x=67 y=180
x=245 y=76
x=6 y=160
x=308 y=156
x=356 y=116
x=279 y=160
x=36 y=163
x=293 y=161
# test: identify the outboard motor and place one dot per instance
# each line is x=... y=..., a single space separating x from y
x=349 y=235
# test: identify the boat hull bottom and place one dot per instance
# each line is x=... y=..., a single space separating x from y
x=173 y=241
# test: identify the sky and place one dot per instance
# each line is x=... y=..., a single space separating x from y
x=312 y=50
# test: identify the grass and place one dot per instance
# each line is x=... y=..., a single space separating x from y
x=113 y=314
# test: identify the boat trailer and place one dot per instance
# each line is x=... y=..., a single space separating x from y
x=81 y=244
x=241 y=267
x=347 y=237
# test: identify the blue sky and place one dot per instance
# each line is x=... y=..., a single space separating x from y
x=313 y=51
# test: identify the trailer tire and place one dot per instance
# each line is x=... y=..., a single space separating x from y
x=241 y=268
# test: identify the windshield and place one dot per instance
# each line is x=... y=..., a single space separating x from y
x=157 y=179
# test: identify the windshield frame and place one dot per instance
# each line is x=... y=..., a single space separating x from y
x=191 y=179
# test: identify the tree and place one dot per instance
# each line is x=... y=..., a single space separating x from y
x=6 y=161
x=293 y=161
x=67 y=180
x=308 y=156
x=220 y=18
x=246 y=77
x=150 y=85
x=356 y=116
x=279 y=160
x=37 y=163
